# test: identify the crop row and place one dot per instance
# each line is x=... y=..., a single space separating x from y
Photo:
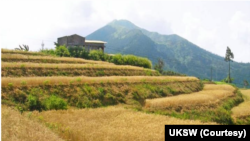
x=35 y=81
x=7 y=57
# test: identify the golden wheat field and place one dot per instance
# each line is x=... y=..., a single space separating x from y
x=243 y=109
x=29 y=58
x=33 y=81
x=108 y=124
x=211 y=94
x=20 y=52
x=72 y=66
x=16 y=127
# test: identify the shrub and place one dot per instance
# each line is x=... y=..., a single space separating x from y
x=98 y=55
x=54 y=102
x=62 y=51
x=78 y=52
x=119 y=59
x=34 y=103
x=49 y=52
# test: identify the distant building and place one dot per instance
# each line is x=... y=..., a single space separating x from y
x=76 y=40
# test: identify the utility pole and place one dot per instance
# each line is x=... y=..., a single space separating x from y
x=211 y=74
x=42 y=45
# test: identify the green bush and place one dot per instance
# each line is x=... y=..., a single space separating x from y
x=132 y=60
x=78 y=52
x=34 y=103
x=98 y=55
x=49 y=52
x=62 y=51
x=54 y=102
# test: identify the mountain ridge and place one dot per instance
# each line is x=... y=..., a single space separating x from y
x=178 y=53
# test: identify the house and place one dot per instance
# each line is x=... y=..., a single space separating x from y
x=76 y=40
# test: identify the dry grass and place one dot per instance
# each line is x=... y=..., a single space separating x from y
x=70 y=66
x=34 y=81
x=109 y=124
x=20 y=52
x=17 y=127
x=211 y=94
x=243 y=109
x=39 y=59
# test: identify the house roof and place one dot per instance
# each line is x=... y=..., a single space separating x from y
x=95 y=41
x=71 y=35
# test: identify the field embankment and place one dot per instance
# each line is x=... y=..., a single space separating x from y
x=213 y=103
x=83 y=92
x=241 y=113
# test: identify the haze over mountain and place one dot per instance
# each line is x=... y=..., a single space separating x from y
x=178 y=54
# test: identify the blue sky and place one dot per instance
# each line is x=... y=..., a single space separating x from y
x=212 y=25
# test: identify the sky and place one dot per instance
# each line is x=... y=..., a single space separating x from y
x=212 y=25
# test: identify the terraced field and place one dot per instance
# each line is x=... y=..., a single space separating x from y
x=209 y=96
x=213 y=103
x=241 y=113
x=11 y=57
x=82 y=99
x=78 y=82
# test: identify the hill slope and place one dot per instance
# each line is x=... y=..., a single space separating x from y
x=179 y=54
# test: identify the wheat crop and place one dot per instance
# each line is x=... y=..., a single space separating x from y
x=110 y=124
x=71 y=66
x=211 y=94
x=33 y=81
x=6 y=57
x=17 y=127
x=243 y=109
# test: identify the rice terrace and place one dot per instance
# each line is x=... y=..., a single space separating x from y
x=48 y=97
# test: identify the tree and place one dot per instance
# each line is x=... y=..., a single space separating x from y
x=159 y=66
x=228 y=58
x=24 y=48
x=246 y=83
x=56 y=44
x=62 y=51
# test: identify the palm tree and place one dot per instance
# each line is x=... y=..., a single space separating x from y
x=228 y=58
x=245 y=83
x=24 y=48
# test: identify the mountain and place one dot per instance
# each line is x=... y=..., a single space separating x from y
x=178 y=54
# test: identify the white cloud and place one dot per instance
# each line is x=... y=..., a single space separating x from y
x=205 y=24
x=240 y=27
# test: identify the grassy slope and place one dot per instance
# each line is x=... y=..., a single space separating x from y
x=97 y=91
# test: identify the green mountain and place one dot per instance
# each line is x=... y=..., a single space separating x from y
x=179 y=54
